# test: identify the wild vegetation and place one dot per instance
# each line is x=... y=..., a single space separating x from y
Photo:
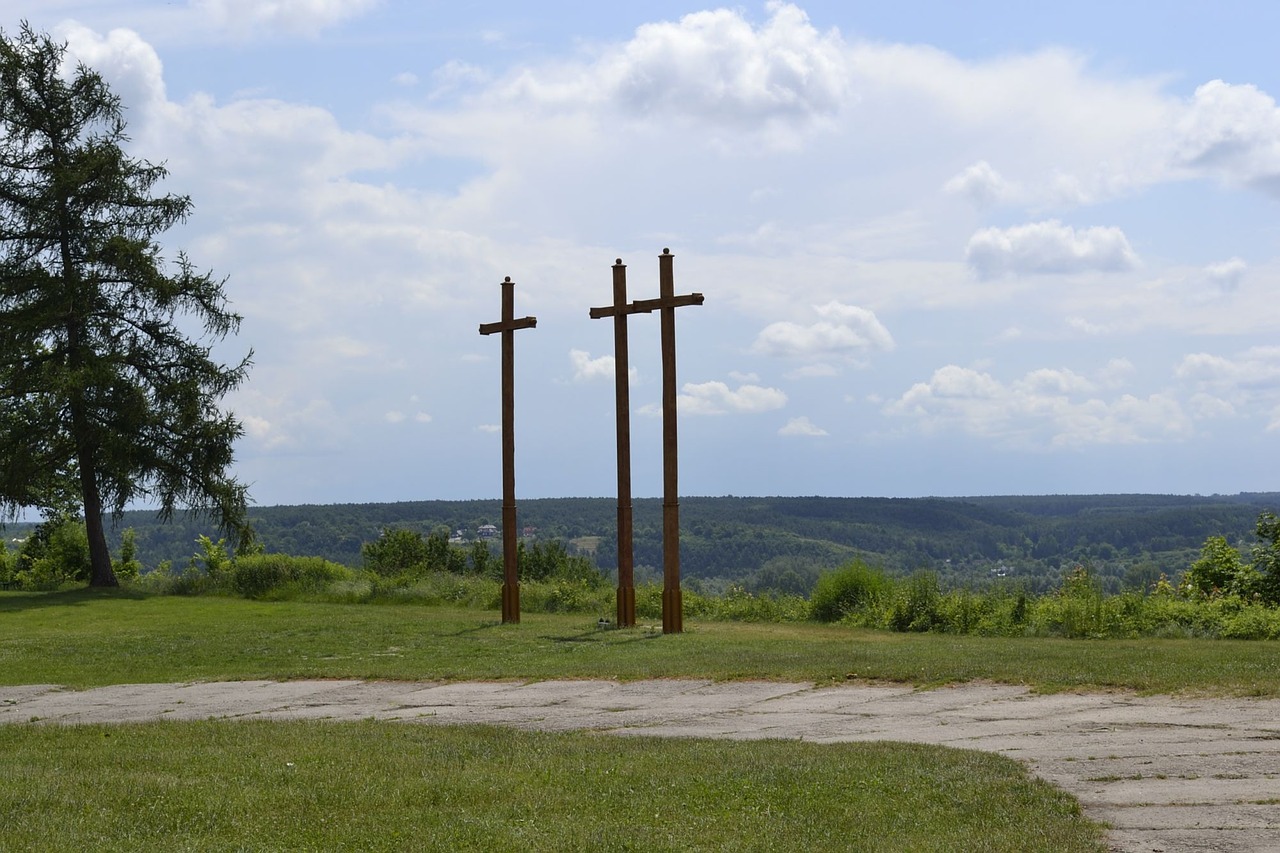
x=1220 y=595
x=782 y=544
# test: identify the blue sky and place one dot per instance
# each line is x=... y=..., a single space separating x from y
x=946 y=248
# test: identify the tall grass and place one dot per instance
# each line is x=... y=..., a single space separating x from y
x=856 y=595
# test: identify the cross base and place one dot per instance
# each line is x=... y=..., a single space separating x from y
x=511 y=603
x=672 y=610
x=626 y=607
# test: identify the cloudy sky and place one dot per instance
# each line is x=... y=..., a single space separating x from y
x=946 y=248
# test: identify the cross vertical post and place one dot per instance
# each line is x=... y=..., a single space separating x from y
x=510 y=568
x=666 y=304
x=622 y=381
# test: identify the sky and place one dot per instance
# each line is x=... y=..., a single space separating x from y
x=946 y=248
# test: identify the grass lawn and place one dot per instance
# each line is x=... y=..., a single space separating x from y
x=390 y=786
x=396 y=786
x=84 y=638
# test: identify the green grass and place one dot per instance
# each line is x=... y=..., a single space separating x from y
x=391 y=786
x=86 y=638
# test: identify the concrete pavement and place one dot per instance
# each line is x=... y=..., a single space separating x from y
x=1167 y=773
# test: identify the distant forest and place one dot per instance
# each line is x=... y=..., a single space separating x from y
x=783 y=543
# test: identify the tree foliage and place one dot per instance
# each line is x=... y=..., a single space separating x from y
x=105 y=401
x=1266 y=557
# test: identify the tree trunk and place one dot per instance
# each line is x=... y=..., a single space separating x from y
x=100 y=557
x=100 y=573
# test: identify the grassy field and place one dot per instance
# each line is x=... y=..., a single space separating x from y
x=83 y=638
x=324 y=786
x=390 y=786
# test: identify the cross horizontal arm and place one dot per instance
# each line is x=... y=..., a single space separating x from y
x=612 y=311
x=644 y=306
x=507 y=325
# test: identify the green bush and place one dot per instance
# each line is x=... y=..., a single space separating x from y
x=56 y=553
x=258 y=575
x=838 y=594
x=917 y=606
x=397 y=551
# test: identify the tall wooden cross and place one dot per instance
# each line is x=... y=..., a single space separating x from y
x=507 y=326
x=667 y=303
x=626 y=555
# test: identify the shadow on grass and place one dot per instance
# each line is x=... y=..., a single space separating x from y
x=483 y=626
x=16 y=601
x=598 y=636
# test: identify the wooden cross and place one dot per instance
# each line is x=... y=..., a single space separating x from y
x=507 y=326
x=626 y=555
x=667 y=303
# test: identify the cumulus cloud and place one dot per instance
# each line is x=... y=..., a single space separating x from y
x=801 y=426
x=847 y=330
x=1044 y=408
x=717 y=63
x=1048 y=247
x=283 y=424
x=1249 y=377
x=717 y=398
x=1226 y=276
x=254 y=18
x=586 y=368
x=709 y=66
x=980 y=184
x=1233 y=132
x=122 y=57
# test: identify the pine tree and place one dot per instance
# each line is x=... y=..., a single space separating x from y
x=104 y=401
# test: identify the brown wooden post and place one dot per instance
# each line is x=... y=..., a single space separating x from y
x=666 y=304
x=507 y=326
x=622 y=381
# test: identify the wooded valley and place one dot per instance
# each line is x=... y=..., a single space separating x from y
x=782 y=543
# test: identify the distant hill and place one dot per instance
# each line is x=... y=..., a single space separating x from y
x=1126 y=539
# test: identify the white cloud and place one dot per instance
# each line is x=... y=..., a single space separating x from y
x=587 y=369
x=491 y=429
x=1044 y=408
x=717 y=64
x=1207 y=406
x=716 y=398
x=394 y=417
x=123 y=58
x=1244 y=382
x=714 y=67
x=255 y=18
x=851 y=330
x=813 y=371
x=801 y=426
x=1048 y=247
x=1233 y=132
x=981 y=185
x=283 y=424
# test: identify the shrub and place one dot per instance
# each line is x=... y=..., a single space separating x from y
x=396 y=551
x=1219 y=571
x=917 y=606
x=56 y=553
x=128 y=567
x=257 y=575
x=842 y=592
x=1266 y=557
